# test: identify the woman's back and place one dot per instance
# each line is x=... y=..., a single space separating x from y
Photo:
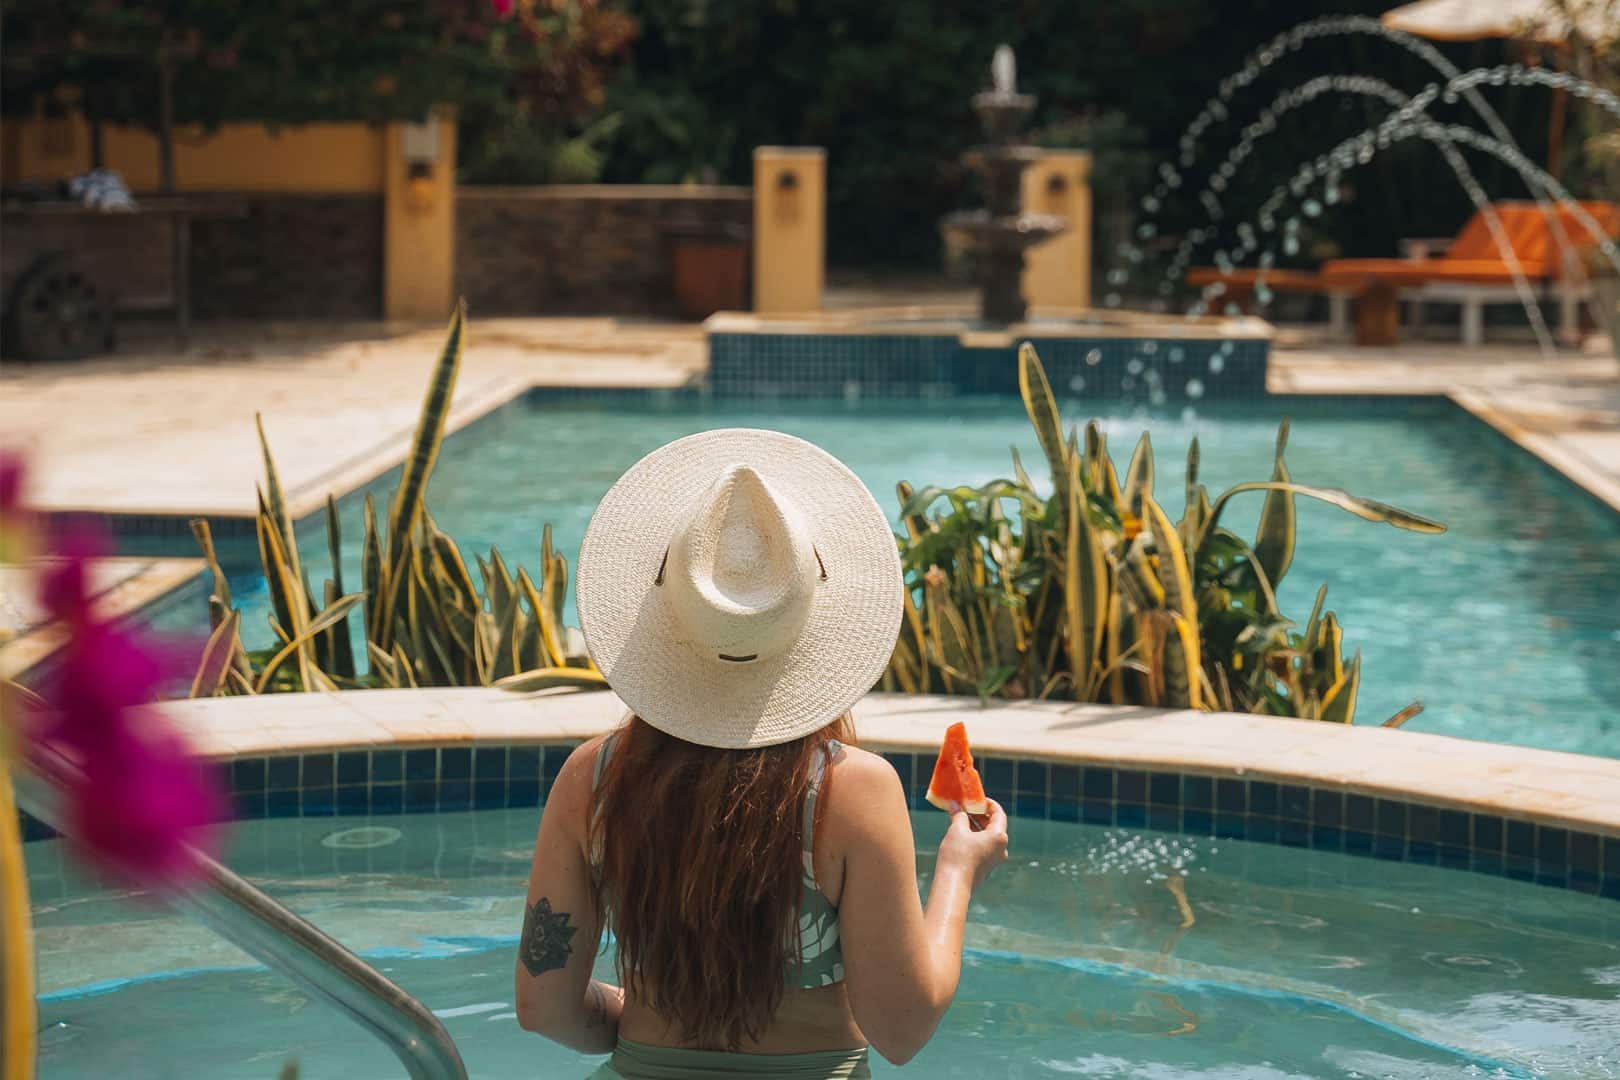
x=865 y=864
x=809 y=1018
x=813 y=1013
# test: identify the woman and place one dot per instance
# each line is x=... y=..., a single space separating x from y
x=741 y=590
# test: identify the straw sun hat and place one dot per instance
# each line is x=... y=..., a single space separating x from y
x=739 y=588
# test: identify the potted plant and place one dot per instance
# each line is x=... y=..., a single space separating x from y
x=709 y=267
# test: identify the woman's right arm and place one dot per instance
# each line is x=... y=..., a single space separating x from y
x=902 y=961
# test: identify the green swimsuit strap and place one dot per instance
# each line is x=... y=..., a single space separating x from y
x=818 y=773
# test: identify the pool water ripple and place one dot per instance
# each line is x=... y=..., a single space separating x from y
x=1295 y=964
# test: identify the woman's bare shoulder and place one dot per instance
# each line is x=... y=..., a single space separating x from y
x=862 y=762
x=864 y=786
x=571 y=790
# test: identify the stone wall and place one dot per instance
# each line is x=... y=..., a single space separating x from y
x=596 y=249
x=287 y=256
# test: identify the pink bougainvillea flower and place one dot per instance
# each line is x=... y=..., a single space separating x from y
x=143 y=797
x=11 y=482
x=146 y=804
x=503 y=8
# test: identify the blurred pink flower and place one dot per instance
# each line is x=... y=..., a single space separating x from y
x=11 y=483
x=146 y=801
x=144 y=797
x=503 y=8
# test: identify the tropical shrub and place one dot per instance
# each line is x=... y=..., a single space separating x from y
x=1094 y=594
x=426 y=622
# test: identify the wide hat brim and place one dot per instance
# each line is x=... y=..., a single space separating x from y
x=634 y=637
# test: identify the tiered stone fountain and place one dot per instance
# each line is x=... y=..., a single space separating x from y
x=997 y=236
x=927 y=351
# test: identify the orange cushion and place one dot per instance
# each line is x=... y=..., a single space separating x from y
x=1355 y=273
x=1529 y=230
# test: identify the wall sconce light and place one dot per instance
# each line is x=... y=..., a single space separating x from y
x=1056 y=188
x=419 y=142
x=787 y=197
x=419 y=146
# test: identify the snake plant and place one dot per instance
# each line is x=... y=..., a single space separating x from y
x=426 y=622
x=1095 y=594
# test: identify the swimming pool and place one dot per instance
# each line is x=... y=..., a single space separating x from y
x=1080 y=961
x=1506 y=626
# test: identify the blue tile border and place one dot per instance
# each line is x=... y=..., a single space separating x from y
x=458 y=778
x=790 y=365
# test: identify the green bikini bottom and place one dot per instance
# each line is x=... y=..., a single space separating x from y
x=638 y=1061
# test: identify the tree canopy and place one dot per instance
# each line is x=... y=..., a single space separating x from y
x=303 y=61
x=885 y=87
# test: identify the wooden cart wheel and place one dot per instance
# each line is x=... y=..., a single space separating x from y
x=58 y=311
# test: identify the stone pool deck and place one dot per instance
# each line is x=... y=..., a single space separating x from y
x=118 y=587
x=147 y=432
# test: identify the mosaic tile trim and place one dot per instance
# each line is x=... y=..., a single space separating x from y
x=832 y=365
x=1323 y=819
x=452 y=778
x=131 y=529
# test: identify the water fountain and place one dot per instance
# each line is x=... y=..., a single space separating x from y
x=944 y=350
x=1408 y=121
x=997 y=236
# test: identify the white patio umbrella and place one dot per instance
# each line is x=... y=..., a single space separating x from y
x=1546 y=21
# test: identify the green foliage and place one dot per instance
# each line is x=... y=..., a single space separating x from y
x=426 y=622
x=885 y=88
x=302 y=61
x=1094 y=594
x=512 y=151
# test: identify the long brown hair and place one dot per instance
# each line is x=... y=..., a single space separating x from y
x=701 y=872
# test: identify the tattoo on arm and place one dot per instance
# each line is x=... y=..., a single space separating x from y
x=546 y=934
x=596 y=1007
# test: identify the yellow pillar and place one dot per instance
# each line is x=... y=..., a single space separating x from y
x=790 y=228
x=18 y=1020
x=419 y=219
x=1057 y=274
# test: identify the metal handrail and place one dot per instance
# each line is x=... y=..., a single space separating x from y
x=266 y=930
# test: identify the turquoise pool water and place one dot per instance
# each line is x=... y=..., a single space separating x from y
x=1080 y=962
x=1507 y=627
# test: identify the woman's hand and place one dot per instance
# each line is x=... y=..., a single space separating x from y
x=975 y=851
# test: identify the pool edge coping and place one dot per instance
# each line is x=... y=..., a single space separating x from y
x=1546 y=787
x=152 y=580
x=1544 y=446
x=342 y=480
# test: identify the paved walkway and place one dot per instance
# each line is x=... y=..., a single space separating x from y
x=151 y=432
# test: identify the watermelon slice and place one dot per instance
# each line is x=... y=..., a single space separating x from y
x=956 y=782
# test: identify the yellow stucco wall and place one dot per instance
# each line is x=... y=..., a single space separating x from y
x=419 y=207
x=790 y=228
x=238 y=157
x=1057 y=274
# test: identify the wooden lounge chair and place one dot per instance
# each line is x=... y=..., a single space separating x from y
x=1469 y=271
x=1240 y=283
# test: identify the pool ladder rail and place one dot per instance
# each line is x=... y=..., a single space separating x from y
x=241 y=913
